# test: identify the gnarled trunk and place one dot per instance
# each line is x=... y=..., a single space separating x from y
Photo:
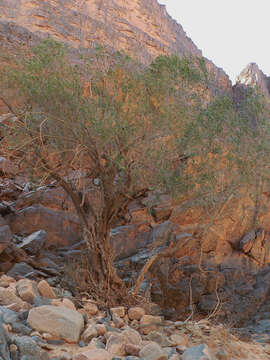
x=104 y=282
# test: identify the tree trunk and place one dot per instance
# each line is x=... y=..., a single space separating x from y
x=104 y=281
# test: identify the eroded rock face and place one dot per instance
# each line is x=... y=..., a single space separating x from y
x=61 y=227
x=136 y=26
x=253 y=76
x=142 y=28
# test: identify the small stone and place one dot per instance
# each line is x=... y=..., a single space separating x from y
x=180 y=349
x=13 y=307
x=56 y=302
x=177 y=339
x=118 y=311
x=175 y=357
x=169 y=351
x=8 y=297
x=7 y=327
x=90 y=309
x=153 y=351
x=47 y=336
x=158 y=337
x=65 y=356
x=27 y=290
x=150 y=323
x=46 y=290
x=199 y=352
x=55 y=341
x=132 y=336
x=89 y=333
x=95 y=343
x=118 y=321
x=20 y=328
x=40 y=300
x=136 y=313
x=116 y=345
x=135 y=324
x=35 y=333
x=5 y=281
x=132 y=349
x=109 y=333
x=222 y=355
x=94 y=354
x=13 y=348
x=68 y=304
x=101 y=329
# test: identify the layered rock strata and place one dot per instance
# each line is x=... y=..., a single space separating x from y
x=141 y=28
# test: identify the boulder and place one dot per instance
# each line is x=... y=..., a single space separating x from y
x=20 y=270
x=59 y=321
x=33 y=243
x=139 y=237
x=62 y=228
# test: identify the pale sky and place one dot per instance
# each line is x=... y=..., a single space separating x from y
x=231 y=33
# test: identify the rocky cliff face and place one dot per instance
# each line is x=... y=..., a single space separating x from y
x=253 y=76
x=142 y=28
x=139 y=27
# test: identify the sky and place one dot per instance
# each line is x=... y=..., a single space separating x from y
x=231 y=33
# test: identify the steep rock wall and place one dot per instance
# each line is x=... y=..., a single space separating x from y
x=142 y=28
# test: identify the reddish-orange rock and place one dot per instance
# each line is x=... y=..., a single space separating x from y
x=142 y=28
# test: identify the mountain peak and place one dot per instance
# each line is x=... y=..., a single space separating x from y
x=253 y=76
